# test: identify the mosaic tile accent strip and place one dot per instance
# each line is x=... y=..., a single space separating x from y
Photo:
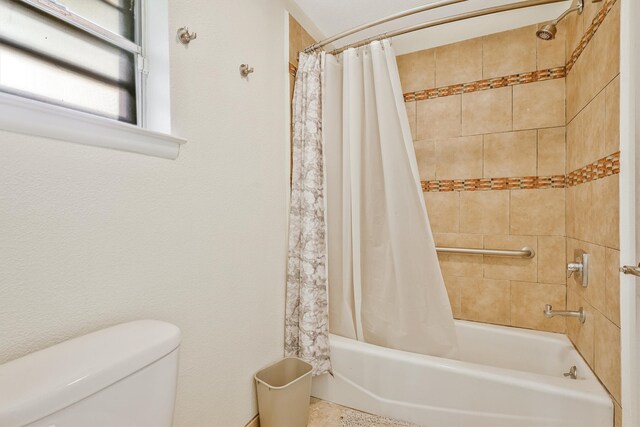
x=495 y=83
x=485 y=184
x=602 y=168
x=292 y=69
x=588 y=35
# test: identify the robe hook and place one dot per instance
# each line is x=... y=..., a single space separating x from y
x=185 y=36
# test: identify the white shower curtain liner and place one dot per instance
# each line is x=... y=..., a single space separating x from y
x=385 y=283
x=362 y=260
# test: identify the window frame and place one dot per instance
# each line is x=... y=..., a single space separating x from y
x=152 y=133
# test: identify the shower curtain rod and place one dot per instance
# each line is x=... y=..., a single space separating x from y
x=436 y=22
x=393 y=17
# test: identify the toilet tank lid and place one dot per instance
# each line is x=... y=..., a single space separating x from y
x=48 y=380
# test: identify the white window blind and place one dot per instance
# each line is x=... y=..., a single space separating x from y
x=79 y=54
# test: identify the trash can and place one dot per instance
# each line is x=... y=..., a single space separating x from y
x=284 y=389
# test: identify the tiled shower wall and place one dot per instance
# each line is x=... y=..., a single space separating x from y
x=593 y=100
x=488 y=120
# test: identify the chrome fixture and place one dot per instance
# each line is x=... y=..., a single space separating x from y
x=185 y=36
x=548 y=31
x=550 y=312
x=245 y=70
x=525 y=252
x=573 y=373
x=629 y=269
x=580 y=267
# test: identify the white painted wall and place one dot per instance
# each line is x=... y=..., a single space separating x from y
x=91 y=237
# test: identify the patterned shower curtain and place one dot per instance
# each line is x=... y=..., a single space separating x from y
x=307 y=312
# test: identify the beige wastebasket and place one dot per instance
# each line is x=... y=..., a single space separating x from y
x=284 y=389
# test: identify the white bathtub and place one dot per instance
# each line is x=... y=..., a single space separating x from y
x=506 y=377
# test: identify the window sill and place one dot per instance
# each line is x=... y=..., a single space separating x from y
x=31 y=117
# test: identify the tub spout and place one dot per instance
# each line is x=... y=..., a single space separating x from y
x=550 y=312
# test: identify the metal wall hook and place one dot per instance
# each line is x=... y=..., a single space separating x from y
x=245 y=70
x=185 y=36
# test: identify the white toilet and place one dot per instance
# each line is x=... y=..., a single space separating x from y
x=121 y=376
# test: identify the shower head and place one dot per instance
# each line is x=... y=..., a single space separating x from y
x=547 y=32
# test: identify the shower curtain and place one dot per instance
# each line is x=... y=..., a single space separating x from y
x=307 y=315
x=385 y=283
x=361 y=253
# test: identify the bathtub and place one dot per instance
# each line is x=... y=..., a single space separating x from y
x=505 y=377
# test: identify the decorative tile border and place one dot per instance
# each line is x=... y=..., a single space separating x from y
x=495 y=83
x=485 y=184
x=292 y=69
x=602 y=168
x=588 y=35
x=517 y=79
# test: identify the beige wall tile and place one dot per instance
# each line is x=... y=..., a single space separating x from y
x=604 y=221
x=539 y=105
x=454 y=287
x=295 y=40
x=485 y=212
x=458 y=158
x=617 y=415
x=581 y=334
x=606 y=42
x=417 y=70
x=575 y=143
x=592 y=147
x=612 y=285
x=576 y=97
x=455 y=265
x=459 y=62
x=552 y=261
x=439 y=117
x=551 y=151
x=458 y=240
x=573 y=28
x=411 y=115
x=538 y=212
x=590 y=11
x=509 y=52
x=426 y=157
x=551 y=53
x=520 y=269
x=444 y=211
x=592 y=212
x=578 y=206
x=612 y=117
x=510 y=154
x=487 y=111
x=527 y=305
x=607 y=354
x=570 y=213
x=486 y=300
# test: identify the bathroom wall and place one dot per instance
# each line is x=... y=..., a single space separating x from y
x=93 y=237
x=517 y=142
x=488 y=120
x=593 y=100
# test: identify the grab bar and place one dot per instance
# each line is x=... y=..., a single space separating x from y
x=525 y=252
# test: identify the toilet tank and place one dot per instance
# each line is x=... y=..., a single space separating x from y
x=121 y=376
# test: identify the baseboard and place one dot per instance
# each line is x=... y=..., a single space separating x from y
x=255 y=422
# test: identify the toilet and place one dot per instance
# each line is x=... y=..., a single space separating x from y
x=121 y=376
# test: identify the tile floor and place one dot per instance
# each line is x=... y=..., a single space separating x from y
x=327 y=414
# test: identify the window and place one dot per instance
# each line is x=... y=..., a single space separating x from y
x=52 y=52
x=87 y=57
